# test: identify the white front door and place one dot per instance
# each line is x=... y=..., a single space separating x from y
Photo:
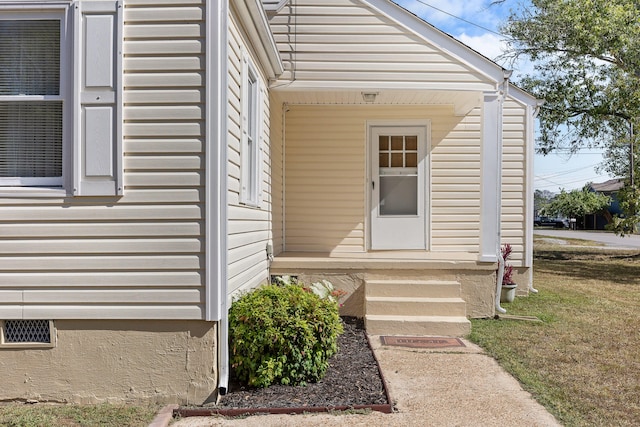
x=398 y=187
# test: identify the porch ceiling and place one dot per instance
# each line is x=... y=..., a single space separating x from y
x=462 y=102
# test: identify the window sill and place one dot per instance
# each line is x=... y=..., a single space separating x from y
x=251 y=205
x=25 y=192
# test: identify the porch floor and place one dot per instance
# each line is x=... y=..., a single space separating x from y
x=380 y=260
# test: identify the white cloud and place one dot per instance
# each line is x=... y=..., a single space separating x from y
x=488 y=44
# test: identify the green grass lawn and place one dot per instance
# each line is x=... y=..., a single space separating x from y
x=45 y=415
x=583 y=361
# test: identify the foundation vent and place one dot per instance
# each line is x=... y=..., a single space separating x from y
x=27 y=332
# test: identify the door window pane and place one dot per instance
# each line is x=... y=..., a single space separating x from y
x=398 y=195
x=411 y=160
x=383 y=143
x=411 y=143
x=384 y=160
x=397 y=143
x=402 y=151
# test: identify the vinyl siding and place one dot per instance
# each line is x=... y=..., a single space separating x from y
x=514 y=185
x=345 y=43
x=249 y=227
x=455 y=185
x=325 y=205
x=139 y=256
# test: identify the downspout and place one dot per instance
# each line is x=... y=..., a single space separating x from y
x=504 y=92
x=530 y=137
x=216 y=303
x=223 y=342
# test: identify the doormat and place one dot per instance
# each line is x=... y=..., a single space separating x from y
x=422 y=342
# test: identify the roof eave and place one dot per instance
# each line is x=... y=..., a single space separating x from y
x=253 y=15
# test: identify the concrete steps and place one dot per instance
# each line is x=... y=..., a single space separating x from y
x=415 y=307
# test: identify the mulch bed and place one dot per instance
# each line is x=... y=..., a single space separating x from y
x=353 y=380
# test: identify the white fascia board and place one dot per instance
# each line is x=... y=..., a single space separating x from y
x=316 y=85
x=441 y=40
x=255 y=23
x=521 y=96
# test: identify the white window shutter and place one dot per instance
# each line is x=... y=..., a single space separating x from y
x=98 y=165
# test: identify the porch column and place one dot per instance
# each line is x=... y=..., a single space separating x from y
x=491 y=176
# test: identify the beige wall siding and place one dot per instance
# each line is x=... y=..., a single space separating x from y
x=348 y=41
x=325 y=206
x=514 y=183
x=139 y=256
x=456 y=185
x=249 y=227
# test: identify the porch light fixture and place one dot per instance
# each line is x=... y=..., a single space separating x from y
x=369 y=96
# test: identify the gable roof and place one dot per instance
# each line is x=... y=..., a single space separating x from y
x=608 y=186
x=346 y=44
x=435 y=36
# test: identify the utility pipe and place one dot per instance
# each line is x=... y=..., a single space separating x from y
x=499 y=309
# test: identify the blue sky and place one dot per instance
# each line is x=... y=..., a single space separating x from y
x=476 y=23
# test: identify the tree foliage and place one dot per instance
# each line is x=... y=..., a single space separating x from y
x=587 y=69
x=541 y=199
x=577 y=203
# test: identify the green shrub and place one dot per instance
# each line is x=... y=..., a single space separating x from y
x=282 y=334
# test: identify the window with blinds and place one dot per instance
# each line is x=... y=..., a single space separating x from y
x=250 y=145
x=31 y=103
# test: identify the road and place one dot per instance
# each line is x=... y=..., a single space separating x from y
x=609 y=239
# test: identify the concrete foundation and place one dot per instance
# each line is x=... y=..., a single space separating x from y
x=116 y=361
x=477 y=280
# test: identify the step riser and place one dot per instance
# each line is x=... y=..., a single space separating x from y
x=413 y=290
x=386 y=327
x=416 y=308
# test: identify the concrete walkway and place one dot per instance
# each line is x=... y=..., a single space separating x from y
x=458 y=386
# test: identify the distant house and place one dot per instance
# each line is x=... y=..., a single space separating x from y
x=161 y=157
x=609 y=188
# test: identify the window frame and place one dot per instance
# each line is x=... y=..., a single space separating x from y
x=54 y=186
x=251 y=135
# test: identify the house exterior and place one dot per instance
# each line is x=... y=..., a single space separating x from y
x=609 y=188
x=161 y=157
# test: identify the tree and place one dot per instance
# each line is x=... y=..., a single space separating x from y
x=577 y=203
x=541 y=199
x=587 y=69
